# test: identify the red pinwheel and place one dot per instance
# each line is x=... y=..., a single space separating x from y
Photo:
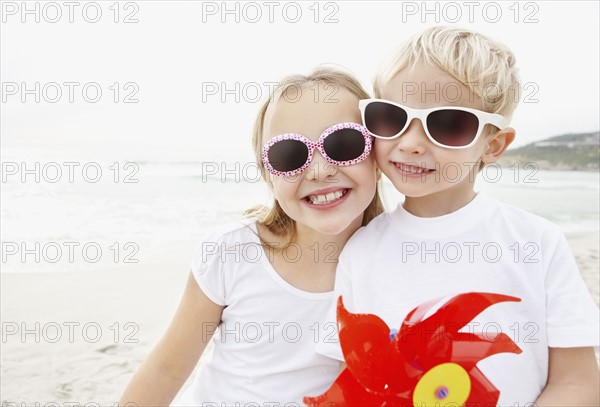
x=428 y=362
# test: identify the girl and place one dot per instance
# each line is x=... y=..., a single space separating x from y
x=267 y=283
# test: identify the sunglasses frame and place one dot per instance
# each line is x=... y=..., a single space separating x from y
x=318 y=145
x=483 y=117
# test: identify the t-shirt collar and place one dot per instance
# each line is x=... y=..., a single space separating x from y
x=446 y=225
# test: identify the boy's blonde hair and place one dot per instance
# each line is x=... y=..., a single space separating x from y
x=485 y=66
x=274 y=218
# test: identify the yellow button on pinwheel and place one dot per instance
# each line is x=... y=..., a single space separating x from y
x=445 y=384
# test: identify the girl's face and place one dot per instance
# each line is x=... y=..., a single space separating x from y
x=325 y=198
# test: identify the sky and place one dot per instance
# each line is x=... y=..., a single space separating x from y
x=182 y=80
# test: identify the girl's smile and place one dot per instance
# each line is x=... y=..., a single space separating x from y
x=327 y=198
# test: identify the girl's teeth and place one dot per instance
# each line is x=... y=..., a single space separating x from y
x=409 y=168
x=323 y=199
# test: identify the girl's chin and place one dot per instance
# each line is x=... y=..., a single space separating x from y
x=331 y=228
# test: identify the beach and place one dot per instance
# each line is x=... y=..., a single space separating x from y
x=93 y=329
x=75 y=332
x=128 y=135
x=38 y=368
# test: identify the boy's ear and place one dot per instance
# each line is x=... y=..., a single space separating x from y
x=497 y=145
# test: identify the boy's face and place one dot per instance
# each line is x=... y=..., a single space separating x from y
x=415 y=165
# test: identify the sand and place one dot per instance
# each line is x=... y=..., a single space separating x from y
x=97 y=351
x=92 y=361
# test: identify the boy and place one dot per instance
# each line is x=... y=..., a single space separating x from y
x=447 y=239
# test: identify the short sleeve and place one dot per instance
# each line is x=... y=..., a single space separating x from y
x=207 y=268
x=572 y=317
x=329 y=343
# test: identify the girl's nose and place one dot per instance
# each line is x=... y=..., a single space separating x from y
x=319 y=169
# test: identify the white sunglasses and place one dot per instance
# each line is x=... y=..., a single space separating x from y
x=452 y=127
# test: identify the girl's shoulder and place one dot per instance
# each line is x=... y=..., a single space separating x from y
x=229 y=239
x=236 y=231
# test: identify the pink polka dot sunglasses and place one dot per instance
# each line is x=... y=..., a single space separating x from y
x=341 y=144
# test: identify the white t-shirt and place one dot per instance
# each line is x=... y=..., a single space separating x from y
x=400 y=261
x=264 y=350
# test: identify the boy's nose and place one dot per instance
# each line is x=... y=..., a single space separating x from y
x=414 y=140
x=319 y=168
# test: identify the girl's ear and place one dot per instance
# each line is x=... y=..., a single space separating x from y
x=497 y=145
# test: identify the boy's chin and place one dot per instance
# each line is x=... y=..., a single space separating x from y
x=410 y=191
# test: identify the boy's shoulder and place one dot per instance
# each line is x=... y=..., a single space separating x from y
x=376 y=227
x=488 y=213
x=519 y=218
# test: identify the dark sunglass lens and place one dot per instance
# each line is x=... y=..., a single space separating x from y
x=454 y=128
x=344 y=144
x=384 y=119
x=288 y=155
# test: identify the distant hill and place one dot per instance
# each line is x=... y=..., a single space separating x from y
x=575 y=152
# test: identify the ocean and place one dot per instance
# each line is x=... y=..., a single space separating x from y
x=61 y=214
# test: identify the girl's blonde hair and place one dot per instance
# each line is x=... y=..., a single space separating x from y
x=274 y=218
